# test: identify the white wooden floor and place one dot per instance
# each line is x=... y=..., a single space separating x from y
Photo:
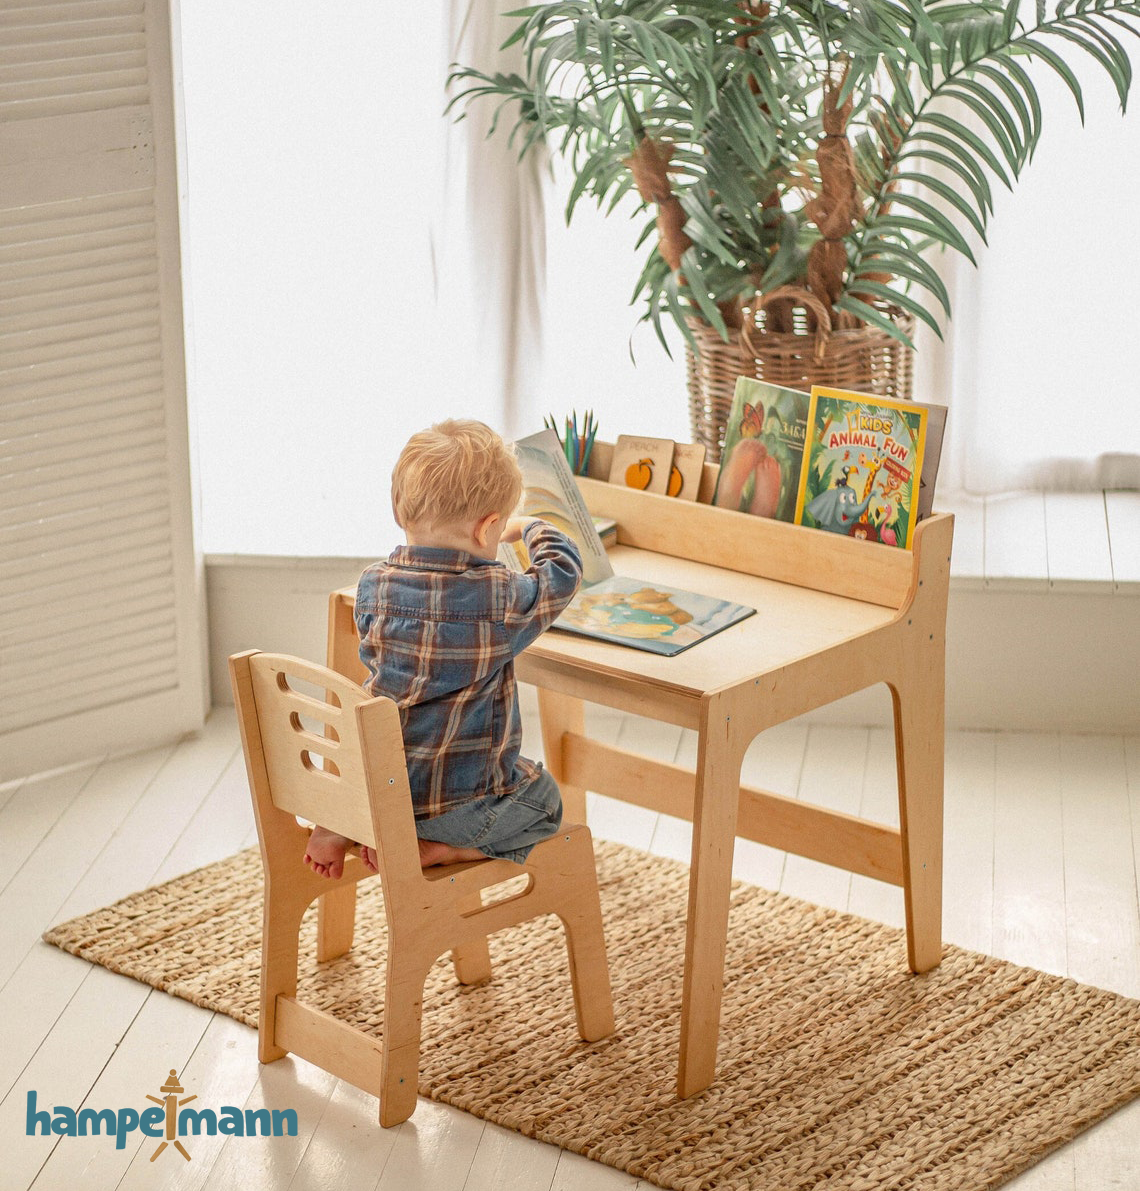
x=1042 y=840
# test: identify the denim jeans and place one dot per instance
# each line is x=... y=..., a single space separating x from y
x=504 y=826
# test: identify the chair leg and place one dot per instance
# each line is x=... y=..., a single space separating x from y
x=472 y=960
x=281 y=925
x=589 y=973
x=586 y=951
x=336 y=922
x=400 y=1062
x=920 y=754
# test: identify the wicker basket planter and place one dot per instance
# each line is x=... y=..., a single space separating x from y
x=866 y=359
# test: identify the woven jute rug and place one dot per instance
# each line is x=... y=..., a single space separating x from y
x=837 y=1067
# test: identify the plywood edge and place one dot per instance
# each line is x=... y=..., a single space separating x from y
x=665 y=702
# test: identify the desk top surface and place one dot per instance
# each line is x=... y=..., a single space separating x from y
x=790 y=623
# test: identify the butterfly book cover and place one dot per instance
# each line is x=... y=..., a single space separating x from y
x=626 y=611
x=862 y=465
x=763 y=450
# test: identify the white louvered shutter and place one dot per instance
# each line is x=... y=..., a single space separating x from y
x=101 y=593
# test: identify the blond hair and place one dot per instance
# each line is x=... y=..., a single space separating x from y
x=455 y=472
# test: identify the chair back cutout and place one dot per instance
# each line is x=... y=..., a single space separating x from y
x=306 y=716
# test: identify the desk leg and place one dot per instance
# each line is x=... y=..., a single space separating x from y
x=558 y=714
x=920 y=748
x=343 y=648
x=710 y=876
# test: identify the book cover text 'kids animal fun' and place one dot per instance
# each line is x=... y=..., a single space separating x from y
x=862 y=465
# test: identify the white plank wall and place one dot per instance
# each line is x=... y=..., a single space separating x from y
x=1015 y=549
x=1042 y=840
x=1123 y=515
x=1076 y=541
x=1086 y=542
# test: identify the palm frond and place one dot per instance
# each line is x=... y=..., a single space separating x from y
x=941 y=107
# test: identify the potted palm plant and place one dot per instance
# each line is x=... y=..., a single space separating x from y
x=797 y=160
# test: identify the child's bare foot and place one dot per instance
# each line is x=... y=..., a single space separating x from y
x=432 y=852
x=326 y=852
x=368 y=855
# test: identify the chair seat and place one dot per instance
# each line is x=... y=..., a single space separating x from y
x=495 y=870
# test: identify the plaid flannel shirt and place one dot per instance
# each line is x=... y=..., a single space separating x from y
x=439 y=631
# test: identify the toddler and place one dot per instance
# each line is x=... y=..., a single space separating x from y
x=440 y=623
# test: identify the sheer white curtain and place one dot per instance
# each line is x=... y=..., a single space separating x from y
x=1037 y=366
x=358 y=264
x=489 y=237
x=546 y=319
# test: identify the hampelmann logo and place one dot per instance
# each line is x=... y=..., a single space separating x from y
x=170 y=1106
x=170 y=1121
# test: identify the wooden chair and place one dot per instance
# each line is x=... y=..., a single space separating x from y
x=337 y=758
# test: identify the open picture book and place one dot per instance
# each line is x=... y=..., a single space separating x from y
x=616 y=608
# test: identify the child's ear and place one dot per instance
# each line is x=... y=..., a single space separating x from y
x=484 y=526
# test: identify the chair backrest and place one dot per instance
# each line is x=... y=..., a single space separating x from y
x=307 y=731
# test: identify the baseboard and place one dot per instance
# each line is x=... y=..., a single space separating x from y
x=1027 y=659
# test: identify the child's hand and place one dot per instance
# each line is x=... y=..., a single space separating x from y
x=514 y=528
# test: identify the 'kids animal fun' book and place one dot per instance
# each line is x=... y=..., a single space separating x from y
x=763 y=450
x=626 y=611
x=862 y=465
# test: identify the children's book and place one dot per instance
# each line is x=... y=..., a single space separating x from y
x=648 y=616
x=763 y=450
x=550 y=492
x=610 y=607
x=935 y=432
x=862 y=463
x=607 y=530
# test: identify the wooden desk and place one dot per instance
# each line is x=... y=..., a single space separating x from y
x=834 y=616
